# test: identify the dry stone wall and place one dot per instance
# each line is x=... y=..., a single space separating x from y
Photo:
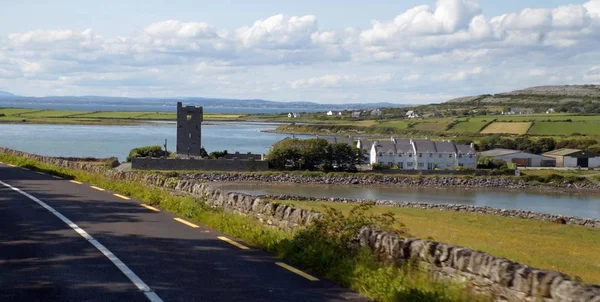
x=504 y=279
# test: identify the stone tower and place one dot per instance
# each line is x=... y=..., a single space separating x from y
x=189 y=130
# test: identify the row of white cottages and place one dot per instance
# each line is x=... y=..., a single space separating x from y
x=415 y=154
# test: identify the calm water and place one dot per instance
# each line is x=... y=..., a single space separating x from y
x=580 y=205
x=106 y=141
x=106 y=105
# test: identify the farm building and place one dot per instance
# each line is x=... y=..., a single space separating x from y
x=520 y=158
x=573 y=158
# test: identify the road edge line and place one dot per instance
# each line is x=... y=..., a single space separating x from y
x=135 y=279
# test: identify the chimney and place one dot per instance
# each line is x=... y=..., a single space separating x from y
x=472 y=145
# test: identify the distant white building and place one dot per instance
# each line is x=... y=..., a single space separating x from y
x=376 y=112
x=421 y=154
x=517 y=110
x=550 y=111
x=356 y=114
x=411 y=114
x=330 y=113
x=293 y=115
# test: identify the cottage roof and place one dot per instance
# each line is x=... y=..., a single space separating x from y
x=445 y=147
x=424 y=146
x=466 y=149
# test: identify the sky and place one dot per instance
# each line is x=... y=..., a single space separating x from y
x=335 y=51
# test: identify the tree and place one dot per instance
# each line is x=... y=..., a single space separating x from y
x=147 y=151
x=217 y=154
x=546 y=144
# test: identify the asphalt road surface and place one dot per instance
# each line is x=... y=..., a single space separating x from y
x=68 y=241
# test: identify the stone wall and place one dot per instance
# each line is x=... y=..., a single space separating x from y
x=175 y=164
x=504 y=279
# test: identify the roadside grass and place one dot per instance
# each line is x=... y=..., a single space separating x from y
x=565 y=128
x=506 y=128
x=569 y=249
x=309 y=248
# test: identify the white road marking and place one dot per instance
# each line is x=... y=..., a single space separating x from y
x=141 y=285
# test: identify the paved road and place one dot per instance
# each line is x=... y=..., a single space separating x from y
x=43 y=258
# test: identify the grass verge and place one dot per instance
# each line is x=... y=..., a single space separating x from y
x=321 y=248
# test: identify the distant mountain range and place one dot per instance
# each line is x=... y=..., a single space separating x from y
x=197 y=101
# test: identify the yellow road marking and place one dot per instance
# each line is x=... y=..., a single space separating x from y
x=96 y=188
x=151 y=208
x=76 y=182
x=122 y=197
x=186 y=223
x=297 y=271
x=233 y=243
x=57 y=177
x=11 y=165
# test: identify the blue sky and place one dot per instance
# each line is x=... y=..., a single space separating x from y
x=414 y=51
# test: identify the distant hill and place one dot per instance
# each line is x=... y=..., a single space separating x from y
x=547 y=95
x=4 y=94
x=197 y=101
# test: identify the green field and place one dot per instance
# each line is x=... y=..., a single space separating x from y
x=52 y=113
x=569 y=249
x=16 y=111
x=565 y=128
x=435 y=126
x=400 y=125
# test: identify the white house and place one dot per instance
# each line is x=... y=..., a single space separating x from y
x=520 y=158
x=330 y=113
x=411 y=114
x=550 y=111
x=376 y=112
x=356 y=114
x=293 y=115
x=422 y=154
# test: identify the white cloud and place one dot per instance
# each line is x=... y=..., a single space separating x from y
x=450 y=45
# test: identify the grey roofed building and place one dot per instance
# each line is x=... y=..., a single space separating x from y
x=466 y=149
x=424 y=146
x=339 y=139
x=403 y=145
x=445 y=147
x=498 y=152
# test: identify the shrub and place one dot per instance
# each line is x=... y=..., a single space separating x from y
x=148 y=151
x=380 y=167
